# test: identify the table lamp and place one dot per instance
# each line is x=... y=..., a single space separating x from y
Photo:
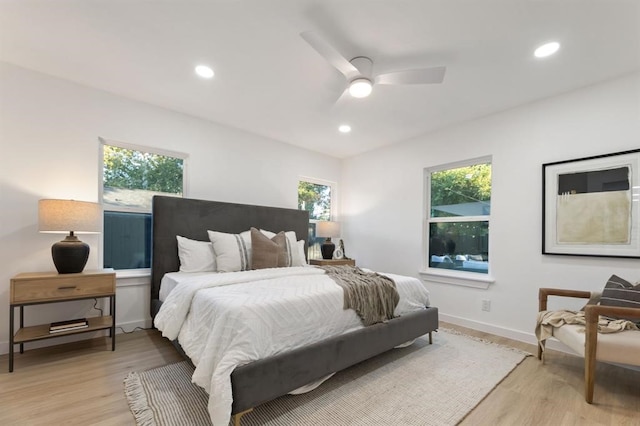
x=328 y=230
x=61 y=216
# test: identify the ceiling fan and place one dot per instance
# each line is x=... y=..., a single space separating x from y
x=358 y=71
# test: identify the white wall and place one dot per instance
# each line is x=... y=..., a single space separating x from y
x=49 y=131
x=383 y=201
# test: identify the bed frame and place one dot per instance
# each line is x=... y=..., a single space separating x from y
x=267 y=379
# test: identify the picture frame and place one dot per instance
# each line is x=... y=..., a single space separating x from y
x=590 y=206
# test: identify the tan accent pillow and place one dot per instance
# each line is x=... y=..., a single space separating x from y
x=268 y=252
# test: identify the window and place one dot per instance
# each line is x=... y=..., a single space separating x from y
x=458 y=207
x=131 y=176
x=315 y=196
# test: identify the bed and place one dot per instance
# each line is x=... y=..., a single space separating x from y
x=265 y=379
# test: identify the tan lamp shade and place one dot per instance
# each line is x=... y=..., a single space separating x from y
x=63 y=216
x=328 y=229
x=68 y=216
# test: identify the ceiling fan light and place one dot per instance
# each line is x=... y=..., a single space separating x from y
x=204 y=71
x=360 y=88
x=547 y=49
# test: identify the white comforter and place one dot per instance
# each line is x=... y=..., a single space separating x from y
x=227 y=320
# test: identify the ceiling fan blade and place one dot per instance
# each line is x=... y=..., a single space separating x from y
x=343 y=98
x=330 y=54
x=421 y=76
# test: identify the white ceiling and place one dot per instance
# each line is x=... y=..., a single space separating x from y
x=272 y=83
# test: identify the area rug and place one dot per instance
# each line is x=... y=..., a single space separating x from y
x=421 y=384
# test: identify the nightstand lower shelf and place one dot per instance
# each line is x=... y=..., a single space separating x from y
x=41 y=332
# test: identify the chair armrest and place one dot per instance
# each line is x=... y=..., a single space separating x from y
x=592 y=311
x=543 y=294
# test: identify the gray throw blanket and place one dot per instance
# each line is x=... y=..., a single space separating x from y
x=373 y=296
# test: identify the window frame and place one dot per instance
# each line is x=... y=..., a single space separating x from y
x=136 y=272
x=312 y=250
x=330 y=184
x=451 y=276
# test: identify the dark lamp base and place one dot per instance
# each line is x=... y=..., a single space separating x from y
x=327 y=249
x=70 y=255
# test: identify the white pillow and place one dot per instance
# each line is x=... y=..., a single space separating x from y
x=195 y=256
x=233 y=251
x=295 y=248
x=299 y=259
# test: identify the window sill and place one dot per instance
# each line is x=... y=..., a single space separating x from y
x=465 y=279
x=133 y=277
x=133 y=273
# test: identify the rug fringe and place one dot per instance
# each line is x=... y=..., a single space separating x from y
x=137 y=399
x=480 y=339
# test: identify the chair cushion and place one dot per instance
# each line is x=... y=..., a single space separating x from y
x=619 y=292
x=622 y=348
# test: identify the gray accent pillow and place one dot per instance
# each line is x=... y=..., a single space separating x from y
x=619 y=292
x=269 y=252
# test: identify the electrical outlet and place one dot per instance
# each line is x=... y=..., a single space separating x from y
x=486 y=305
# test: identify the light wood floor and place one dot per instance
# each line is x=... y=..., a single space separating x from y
x=553 y=393
x=81 y=384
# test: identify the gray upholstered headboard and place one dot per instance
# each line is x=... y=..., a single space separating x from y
x=192 y=218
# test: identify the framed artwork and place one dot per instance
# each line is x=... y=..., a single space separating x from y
x=590 y=206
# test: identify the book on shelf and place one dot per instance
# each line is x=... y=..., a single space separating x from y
x=60 y=330
x=68 y=324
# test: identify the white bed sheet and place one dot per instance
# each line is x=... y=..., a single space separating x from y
x=256 y=314
x=173 y=279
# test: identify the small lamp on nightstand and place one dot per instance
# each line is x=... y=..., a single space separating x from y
x=61 y=216
x=328 y=230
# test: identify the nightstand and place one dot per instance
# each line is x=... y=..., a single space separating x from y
x=332 y=262
x=37 y=288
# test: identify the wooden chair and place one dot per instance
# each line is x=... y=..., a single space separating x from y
x=619 y=348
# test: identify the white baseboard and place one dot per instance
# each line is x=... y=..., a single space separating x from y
x=130 y=326
x=509 y=333
x=4 y=348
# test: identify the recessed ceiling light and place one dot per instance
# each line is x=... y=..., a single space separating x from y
x=345 y=128
x=204 y=71
x=360 y=88
x=547 y=49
